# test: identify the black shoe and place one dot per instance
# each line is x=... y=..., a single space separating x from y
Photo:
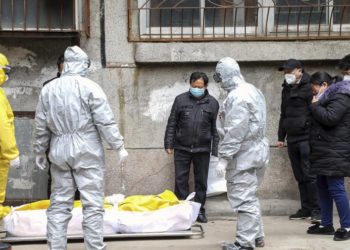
x=202 y=218
x=341 y=234
x=260 y=242
x=316 y=229
x=299 y=215
x=316 y=217
x=235 y=246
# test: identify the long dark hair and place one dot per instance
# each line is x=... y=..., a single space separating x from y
x=319 y=78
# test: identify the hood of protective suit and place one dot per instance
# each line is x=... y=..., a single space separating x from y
x=228 y=73
x=4 y=63
x=76 y=62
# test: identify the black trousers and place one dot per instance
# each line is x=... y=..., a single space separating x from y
x=299 y=155
x=183 y=160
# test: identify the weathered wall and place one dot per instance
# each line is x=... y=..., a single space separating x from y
x=141 y=85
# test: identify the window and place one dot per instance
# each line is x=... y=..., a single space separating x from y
x=153 y=20
x=38 y=15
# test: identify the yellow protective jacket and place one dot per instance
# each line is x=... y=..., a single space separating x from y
x=8 y=147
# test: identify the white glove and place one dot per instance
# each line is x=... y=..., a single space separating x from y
x=123 y=155
x=221 y=167
x=41 y=161
x=15 y=163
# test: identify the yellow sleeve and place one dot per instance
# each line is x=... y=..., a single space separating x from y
x=8 y=147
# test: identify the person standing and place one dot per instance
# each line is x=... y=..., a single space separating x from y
x=73 y=115
x=191 y=133
x=9 y=154
x=59 y=64
x=243 y=151
x=330 y=152
x=294 y=125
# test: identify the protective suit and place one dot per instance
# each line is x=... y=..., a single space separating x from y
x=243 y=150
x=73 y=115
x=9 y=155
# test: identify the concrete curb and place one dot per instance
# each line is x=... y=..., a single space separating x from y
x=219 y=206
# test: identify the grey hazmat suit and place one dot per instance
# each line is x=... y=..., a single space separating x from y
x=243 y=148
x=73 y=115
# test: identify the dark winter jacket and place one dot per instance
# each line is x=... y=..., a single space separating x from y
x=295 y=119
x=192 y=124
x=330 y=134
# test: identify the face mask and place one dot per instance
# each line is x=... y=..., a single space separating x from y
x=290 y=78
x=197 y=92
x=346 y=78
x=3 y=77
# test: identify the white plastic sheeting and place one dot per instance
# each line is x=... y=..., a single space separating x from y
x=216 y=185
x=175 y=218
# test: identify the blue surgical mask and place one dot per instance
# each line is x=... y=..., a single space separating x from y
x=197 y=92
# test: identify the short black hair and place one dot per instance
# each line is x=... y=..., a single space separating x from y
x=344 y=63
x=320 y=77
x=60 y=60
x=199 y=75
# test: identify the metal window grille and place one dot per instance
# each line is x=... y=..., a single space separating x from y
x=38 y=15
x=209 y=20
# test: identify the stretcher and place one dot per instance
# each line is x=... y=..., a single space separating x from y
x=195 y=231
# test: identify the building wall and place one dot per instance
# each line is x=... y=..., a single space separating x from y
x=141 y=81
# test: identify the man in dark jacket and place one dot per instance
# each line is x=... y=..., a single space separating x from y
x=294 y=125
x=191 y=131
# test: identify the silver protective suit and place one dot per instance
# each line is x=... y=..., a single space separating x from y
x=242 y=125
x=72 y=116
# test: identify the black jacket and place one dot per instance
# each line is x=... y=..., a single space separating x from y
x=295 y=119
x=192 y=124
x=330 y=134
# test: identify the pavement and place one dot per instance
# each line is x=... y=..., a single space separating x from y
x=281 y=234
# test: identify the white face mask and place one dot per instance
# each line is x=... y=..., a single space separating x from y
x=346 y=78
x=290 y=78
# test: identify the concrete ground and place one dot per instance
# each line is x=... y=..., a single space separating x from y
x=281 y=234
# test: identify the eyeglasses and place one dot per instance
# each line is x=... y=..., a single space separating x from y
x=7 y=69
x=217 y=77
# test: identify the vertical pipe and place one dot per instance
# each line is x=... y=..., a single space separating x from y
x=330 y=22
x=225 y=10
x=25 y=10
x=214 y=16
x=171 y=23
x=309 y=21
x=49 y=18
x=87 y=18
x=37 y=15
x=1 y=15
x=288 y=18
x=319 y=21
x=150 y=23
x=203 y=21
x=341 y=19
x=160 y=23
x=61 y=15
x=12 y=15
x=256 y=21
x=298 y=24
x=277 y=21
x=182 y=23
x=235 y=23
x=267 y=20
x=74 y=24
